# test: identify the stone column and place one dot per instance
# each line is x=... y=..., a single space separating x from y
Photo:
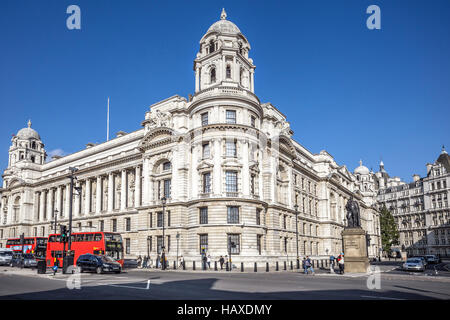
x=58 y=200
x=290 y=188
x=137 y=189
x=110 y=191
x=197 y=79
x=217 y=170
x=146 y=187
x=252 y=79
x=98 y=199
x=195 y=175
x=245 y=174
x=87 y=202
x=123 y=191
x=50 y=207
x=42 y=205
x=67 y=204
x=76 y=205
x=36 y=208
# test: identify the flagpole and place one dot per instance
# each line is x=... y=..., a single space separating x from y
x=107 y=123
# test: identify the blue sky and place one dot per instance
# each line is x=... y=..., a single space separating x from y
x=358 y=93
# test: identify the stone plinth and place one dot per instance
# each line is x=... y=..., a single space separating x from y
x=355 y=250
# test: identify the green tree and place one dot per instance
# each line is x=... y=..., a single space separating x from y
x=389 y=230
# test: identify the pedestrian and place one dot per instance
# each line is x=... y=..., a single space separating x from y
x=221 y=261
x=204 y=259
x=304 y=265
x=144 y=265
x=208 y=261
x=158 y=260
x=139 y=261
x=332 y=260
x=309 y=266
x=181 y=262
x=341 y=263
x=150 y=262
x=227 y=263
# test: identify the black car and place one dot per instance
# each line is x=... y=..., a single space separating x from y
x=99 y=264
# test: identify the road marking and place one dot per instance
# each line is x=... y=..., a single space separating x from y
x=377 y=297
x=130 y=287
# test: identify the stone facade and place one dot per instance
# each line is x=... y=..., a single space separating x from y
x=226 y=162
x=420 y=208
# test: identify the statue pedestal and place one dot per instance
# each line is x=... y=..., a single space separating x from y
x=355 y=250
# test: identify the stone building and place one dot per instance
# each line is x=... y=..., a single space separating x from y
x=225 y=161
x=420 y=208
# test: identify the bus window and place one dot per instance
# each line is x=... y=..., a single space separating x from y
x=79 y=237
x=89 y=237
x=98 y=237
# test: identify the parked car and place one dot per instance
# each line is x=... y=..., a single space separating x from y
x=99 y=264
x=130 y=263
x=414 y=264
x=5 y=256
x=432 y=259
x=424 y=261
x=23 y=260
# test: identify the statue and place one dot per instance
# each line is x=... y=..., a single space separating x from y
x=353 y=216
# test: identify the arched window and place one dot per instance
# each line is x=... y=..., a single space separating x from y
x=228 y=72
x=33 y=145
x=213 y=75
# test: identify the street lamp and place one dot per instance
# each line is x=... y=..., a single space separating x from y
x=296 y=233
x=163 y=254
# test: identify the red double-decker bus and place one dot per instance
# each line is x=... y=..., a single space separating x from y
x=98 y=243
x=33 y=245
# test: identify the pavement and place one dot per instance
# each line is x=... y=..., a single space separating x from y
x=20 y=284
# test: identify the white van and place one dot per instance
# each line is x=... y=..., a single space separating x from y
x=5 y=256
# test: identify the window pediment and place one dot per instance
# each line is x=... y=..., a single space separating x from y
x=156 y=137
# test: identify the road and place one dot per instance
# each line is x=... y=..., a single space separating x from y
x=166 y=285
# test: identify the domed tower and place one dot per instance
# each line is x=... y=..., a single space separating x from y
x=223 y=58
x=26 y=147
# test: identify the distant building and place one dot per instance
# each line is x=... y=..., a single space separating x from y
x=420 y=208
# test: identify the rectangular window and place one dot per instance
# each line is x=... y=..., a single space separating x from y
x=258 y=217
x=150 y=217
x=231 y=116
x=205 y=119
x=233 y=214
x=149 y=243
x=127 y=246
x=204 y=215
x=207 y=182
x=206 y=151
x=203 y=243
x=168 y=218
x=128 y=224
x=258 y=243
x=231 y=181
x=159 y=220
x=233 y=243
x=102 y=225
x=167 y=187
x=230 y=149
x=168 y=244
x=114 y=225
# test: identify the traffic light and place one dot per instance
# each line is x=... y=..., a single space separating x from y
x=63 y=237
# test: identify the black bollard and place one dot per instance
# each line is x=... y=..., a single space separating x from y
x=215 y=265
x=226 y=266
x=276 y=266
x=284 y=268
x=255 y=269
x=267 y=267
x=292 y=266
x=193 y=265
x=242 y=267
x=297 y=264
x=174 y=265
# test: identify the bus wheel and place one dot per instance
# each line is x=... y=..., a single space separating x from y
x=99 y=270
